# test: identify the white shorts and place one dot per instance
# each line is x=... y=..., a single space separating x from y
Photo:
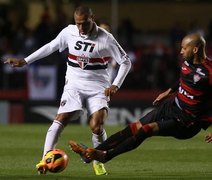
x=77 y=100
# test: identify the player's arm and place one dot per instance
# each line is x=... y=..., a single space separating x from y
x=39 y=54
x=57 y=43
x=42 y=52
x=162 y=96
x=166 y=94
x=122 y=73
x=120 y=56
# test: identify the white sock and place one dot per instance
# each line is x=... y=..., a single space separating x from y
x=98 y=139
x=52 y=136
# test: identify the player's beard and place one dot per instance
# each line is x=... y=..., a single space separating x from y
x=189 y=58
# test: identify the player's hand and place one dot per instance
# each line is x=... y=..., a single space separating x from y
x=15 y=62
x=208 y=138
x=161 y=97
x=111 y=90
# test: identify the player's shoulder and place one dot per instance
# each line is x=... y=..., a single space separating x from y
x=209 y=60
x=102 y=30
x=104 y=34
x=208 y=63
x=208 y=68
x=71 y=29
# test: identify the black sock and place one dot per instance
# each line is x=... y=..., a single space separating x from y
x=129 y=144
x=115 y=139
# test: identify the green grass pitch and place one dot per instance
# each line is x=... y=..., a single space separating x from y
x=157 y=158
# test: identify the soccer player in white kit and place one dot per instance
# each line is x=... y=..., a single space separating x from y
x=87 y=84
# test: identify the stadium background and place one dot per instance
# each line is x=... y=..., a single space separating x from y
x=150 y=32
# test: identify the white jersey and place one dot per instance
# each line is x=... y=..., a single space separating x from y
x=88 y=57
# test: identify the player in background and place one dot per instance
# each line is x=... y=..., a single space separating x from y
x=181 y=116
x=87 y=84
x=105 y=25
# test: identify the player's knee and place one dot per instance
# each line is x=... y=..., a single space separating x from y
x=63 y=118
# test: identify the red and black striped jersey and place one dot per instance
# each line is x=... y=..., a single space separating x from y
x=195 y=87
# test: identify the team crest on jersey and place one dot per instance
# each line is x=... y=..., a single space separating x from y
x=82 y=61
x=196 y=78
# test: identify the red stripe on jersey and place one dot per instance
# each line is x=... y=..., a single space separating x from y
x=208 y=65
x=91 y=60
x=190 y=90
x=186 y=99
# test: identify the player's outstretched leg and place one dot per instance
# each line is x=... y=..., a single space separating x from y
x=79 y=149
x=98 y=155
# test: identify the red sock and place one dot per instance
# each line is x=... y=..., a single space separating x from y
x=133 y=128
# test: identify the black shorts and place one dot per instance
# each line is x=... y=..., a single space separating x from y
x=173 y=122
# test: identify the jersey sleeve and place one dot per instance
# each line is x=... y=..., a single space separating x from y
x=120 y=56
x=59 y=43
x=115 y=51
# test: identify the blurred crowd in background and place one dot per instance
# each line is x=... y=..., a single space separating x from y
x=155 y=56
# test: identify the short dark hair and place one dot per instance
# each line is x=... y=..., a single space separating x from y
x=82 y=10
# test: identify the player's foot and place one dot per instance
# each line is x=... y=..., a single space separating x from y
x=99 y=168
x=94 y=154
x=41 y=167
x=79 y=149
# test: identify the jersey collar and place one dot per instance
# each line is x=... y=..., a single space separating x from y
x=92 y=34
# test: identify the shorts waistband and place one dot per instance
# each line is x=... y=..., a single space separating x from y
x=178 y=105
